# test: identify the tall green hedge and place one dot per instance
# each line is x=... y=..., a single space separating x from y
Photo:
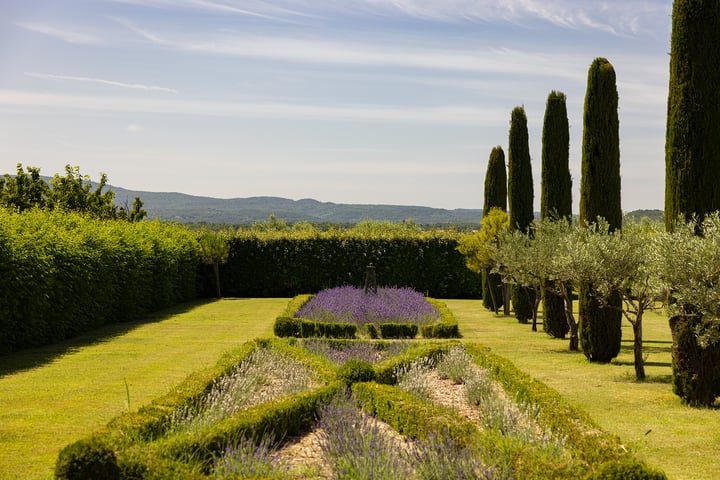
x=600 y=328
x=284 y=264
x=495 y=196
x=62 y=274
x=520 y=196
x=556 y=194
x=692 y=142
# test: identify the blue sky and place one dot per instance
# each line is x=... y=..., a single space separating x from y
x=347 y=101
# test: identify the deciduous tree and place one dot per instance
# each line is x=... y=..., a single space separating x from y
x=495 y=197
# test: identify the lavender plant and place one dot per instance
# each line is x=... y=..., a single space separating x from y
x=355 y=446
x=454 y=365
x=247 y=459
x=415 y=377
x=439 y=457
x=263 y=376
x=351 y=305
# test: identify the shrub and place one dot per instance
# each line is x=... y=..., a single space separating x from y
x=696 y=369
x=398 y=330
x=355 y=370
x=287 y=327
x=441 y=330
x=372 y=330
x=626 y=469
x=86 y=460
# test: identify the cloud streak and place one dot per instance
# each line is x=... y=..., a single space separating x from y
x=101 y=81
x=444 y=115
x=62 y=33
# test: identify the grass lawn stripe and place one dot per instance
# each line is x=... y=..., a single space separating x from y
x=52 y=396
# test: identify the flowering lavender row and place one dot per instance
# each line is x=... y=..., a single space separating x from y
x=351 y=305
x=367 y=351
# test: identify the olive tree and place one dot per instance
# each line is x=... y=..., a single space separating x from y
x=627 y=263
x=479 y=248
x=214 y=250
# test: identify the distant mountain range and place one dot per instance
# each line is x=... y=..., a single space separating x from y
x=183 y=208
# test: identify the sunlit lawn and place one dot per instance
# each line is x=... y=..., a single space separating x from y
x=52 y=396
x=647 y=416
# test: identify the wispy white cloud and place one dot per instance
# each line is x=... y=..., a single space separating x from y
x=247 y=8
x=443 y=115
x=102 y=81
x=327 y=51
x=61 y=32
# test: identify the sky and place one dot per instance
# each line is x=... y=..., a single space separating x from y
x=345 y=101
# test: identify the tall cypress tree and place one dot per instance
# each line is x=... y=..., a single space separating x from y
x=520 y=197
x=692 y=142
x=556 y=194
x=495 y=196
x=600 y=328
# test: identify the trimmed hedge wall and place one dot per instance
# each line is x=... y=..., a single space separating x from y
x=62 y=274
x=283 y=264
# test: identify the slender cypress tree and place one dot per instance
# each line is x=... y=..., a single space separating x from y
x=556 y=194
x=520 y=197
x=495 y=196
x=692 y=142
x=600 y=328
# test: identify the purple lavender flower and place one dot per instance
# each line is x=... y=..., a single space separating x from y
x=351 y=305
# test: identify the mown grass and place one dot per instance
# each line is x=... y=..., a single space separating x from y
x=647 y=416
x=55 y=395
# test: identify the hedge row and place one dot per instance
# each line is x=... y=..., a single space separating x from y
x=62 y=274
x=135 y=446
x=141 y=449
x=273 y=264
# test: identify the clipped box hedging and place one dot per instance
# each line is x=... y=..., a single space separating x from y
x=398 y=330
x=283 y=264
x=62 y=274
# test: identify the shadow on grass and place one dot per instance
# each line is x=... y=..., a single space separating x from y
x=35 y=357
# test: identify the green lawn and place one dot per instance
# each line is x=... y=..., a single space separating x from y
x=684 y=442
x=52 y=396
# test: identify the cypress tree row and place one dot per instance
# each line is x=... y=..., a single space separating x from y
x=495 y=196
x=692 y=168
x=520 y=197
x=556 y=194
x=692 y=141
x=600 y=328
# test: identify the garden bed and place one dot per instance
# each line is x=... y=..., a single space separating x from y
x=349 y=312
x=418 y=394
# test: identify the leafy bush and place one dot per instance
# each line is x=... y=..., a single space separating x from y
x=372 y=330
x=626 y=469
x=696 y=368
x=441 y=330
x=355 y=370
x=85 y=460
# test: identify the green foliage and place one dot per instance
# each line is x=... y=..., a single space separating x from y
x=64 y=273
x=398 y=330
x=85 y=460
x=520 y=182
x=441 y=330
x=214 y=250
x=287 y=327
x=354 y=371
x=282 y=264
x=520 y=197
x=372 y=330
x=495 y=182
x=600 y=328
x=70 y=193
x=696 y=368
x=556 y=194
x=692 y=143
x=626 y=469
